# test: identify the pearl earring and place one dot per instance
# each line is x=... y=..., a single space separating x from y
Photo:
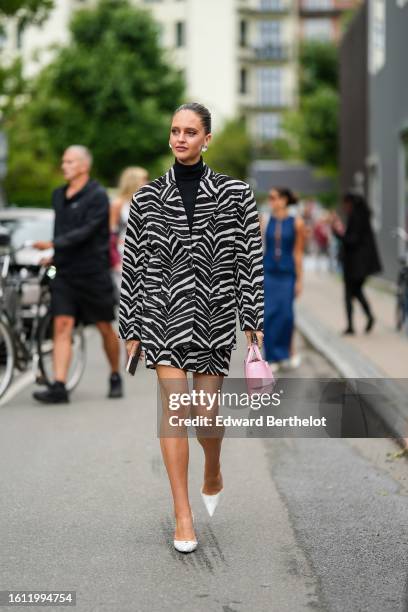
x=204 y=149
x=170 y=146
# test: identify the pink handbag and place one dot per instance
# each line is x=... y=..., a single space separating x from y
x=258 y=373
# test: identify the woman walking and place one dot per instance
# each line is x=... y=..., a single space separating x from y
x=193 y=251
x=284 y=244
x=358 y=254
x=130 y=181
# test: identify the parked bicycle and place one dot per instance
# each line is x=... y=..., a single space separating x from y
x=26 y=335
x=401 y=318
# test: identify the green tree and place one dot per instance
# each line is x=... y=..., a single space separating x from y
x=32 y=171
x=29 y=9
x=312 y=129
x=318 y=66
x=230 y=150
x=110 y=89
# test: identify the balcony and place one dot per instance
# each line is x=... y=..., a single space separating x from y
x=267 y=8
x=273 y=53
x=280 y=102
x=319 y=8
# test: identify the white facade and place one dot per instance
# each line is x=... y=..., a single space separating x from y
x=238 y=57
x=35 y=43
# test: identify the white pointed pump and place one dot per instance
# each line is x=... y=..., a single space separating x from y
x=211 y=501
x=186 y=546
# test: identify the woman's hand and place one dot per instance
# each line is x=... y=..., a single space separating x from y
x=336 y=224
x=298 y=287
x=131 y=347
x=259 y=337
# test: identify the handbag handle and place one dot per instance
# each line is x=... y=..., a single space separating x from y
x=254 y=348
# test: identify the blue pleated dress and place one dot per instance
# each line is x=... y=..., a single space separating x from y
x=279 y=285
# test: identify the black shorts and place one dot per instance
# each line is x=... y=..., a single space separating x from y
x=89 y=298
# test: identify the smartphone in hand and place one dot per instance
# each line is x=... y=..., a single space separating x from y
x=133 y=360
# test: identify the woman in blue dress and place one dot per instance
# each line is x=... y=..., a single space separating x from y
x=283 y=237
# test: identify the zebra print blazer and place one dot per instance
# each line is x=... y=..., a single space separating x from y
x=182 y=291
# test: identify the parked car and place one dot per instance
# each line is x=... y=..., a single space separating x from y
x=26 y=224
x=23 y=225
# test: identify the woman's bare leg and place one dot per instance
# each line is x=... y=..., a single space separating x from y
x=210 y=438
x=175 y=451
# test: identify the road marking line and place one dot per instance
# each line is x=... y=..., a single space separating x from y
x=18 y=385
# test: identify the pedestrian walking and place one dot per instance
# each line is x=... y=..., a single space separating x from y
x=283 y=237
x=321 y=235
x=130 y=181
x=82 y=290
x=193 y=248
x=358 y=254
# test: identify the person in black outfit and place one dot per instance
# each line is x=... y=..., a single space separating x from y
x=82 y=289
x=359 y=255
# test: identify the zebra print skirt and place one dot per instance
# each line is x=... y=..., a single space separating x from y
x=203 y=361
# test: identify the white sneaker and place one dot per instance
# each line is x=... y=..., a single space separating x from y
x=274 y=365
x=293 y=362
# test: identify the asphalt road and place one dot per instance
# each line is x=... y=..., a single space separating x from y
x=304 y=524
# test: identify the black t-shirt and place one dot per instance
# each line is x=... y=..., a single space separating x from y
x=81 y=230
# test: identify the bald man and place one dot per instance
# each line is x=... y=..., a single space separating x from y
x=82 y=289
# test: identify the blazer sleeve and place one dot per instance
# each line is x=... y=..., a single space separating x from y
x=135 y=257
x=248 y=265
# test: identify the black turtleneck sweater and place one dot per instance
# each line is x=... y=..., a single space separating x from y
x=188 y=181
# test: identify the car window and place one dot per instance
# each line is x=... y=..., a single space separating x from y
x=28 y=228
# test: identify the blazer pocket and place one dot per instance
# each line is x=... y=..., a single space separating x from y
x=225 y=214
x=222 y=297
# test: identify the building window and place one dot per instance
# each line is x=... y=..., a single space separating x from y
x=269 y=32
x=375 y=191
x=318 y=29
x=272 y=5
x=180 y=34
x=377 y=35
x=317 y=5
x=243 y=33
x=268 y=126
x=243 y=81
x=270 y=86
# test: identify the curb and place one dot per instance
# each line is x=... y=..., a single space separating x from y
x=390 y=405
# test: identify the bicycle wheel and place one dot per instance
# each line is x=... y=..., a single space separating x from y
x=7 y=357
x=45 y=352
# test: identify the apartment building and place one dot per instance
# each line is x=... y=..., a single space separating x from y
x=321 y=19
x=239 y=57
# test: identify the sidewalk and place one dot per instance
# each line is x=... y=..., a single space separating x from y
x=382 y=354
